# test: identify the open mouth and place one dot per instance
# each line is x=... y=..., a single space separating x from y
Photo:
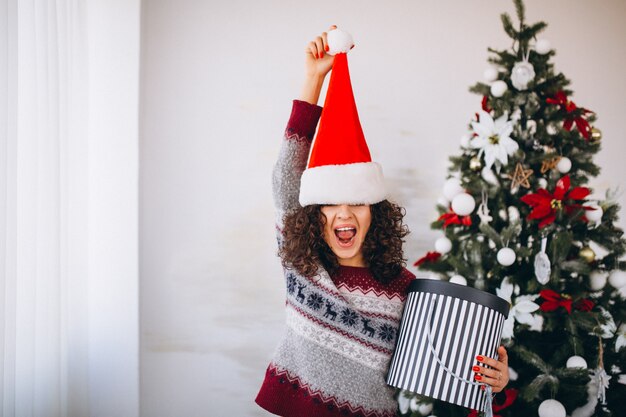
x=345 y=235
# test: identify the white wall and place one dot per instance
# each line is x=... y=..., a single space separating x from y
x=217 y=83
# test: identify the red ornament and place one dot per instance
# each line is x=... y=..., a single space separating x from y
x=545 y=204
x=429 y=257
x=453 y=218
x=574 y=114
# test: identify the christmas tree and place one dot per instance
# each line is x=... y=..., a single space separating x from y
x=517 y=220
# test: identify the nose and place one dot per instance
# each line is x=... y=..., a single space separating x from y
x=344 y=212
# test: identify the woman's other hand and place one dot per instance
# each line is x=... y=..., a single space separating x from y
x=498 y=377
x=317 y=64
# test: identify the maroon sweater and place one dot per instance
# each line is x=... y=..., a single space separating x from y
x=341 y=330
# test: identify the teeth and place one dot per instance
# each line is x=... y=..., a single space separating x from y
x=344 y=229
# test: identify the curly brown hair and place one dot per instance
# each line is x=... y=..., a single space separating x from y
x=304 y=247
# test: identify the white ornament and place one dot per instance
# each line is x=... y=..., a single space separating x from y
x=403 y=403
x=617 y=278
x=443 y=245
x=490 y=74
x=498 y=88
x=620 y=342
x=465 y=141
x=506 y=256
x=338 y=41
x=564 y=165
x=552 y=129
x=493 y=138
x=543 y=183
x=488 y=175
x=602 y=378
x=413 y=404
x=543 y=46
x=551 y=408
x=542 y=264
x=531 y=126
x=576 y=362
x=458 y=279
x=521 y=74
x=597 y=280
x=451 y=188
x=513 y=375
x=424 y=409
x=594 y=215
x=513 y=214
x=463 y=204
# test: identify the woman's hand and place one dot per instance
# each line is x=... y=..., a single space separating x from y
x=497 y=377
x=317 y=64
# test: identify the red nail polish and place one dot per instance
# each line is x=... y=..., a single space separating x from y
x=318 y=56
x=480 y=358
x=475 y=368
x=482 y=387
x=478 y=377
x=321 y=54
x=327 y=48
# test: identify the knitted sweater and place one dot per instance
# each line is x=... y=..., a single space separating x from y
x=341 y=329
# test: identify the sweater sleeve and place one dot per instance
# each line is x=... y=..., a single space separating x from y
x=292 y=159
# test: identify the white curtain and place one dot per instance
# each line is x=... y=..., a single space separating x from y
x=68 y=207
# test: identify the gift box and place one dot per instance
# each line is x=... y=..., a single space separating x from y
x=443 y=328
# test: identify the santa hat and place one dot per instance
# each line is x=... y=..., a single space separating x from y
x=340 y=168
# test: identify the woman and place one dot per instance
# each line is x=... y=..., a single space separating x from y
x=340 y=241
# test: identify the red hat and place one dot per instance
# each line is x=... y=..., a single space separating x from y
x=340 y=169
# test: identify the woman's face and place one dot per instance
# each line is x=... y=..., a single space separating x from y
x=345 y=230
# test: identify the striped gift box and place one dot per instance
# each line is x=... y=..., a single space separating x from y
x=444 y=327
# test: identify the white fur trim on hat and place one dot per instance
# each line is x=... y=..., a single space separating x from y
x=358 y=183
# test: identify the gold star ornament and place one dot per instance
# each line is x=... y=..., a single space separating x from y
x=549 y=164
x=521 y=176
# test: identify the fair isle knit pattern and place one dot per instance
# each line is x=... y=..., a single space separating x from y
x=341 y=330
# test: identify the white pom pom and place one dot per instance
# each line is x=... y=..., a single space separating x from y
x=490 y=74
x=597 y=280
x=551 y=408
x=443 y=245
x=594 y=215
x=506 y=256
x=463 y=204
x=452 y=188
x=617 y=278
x=458 y=279
x=564 y=165
x=576 y=362
x=543 y=183
x=543 y=46
x=338 y=41
x=498 y=88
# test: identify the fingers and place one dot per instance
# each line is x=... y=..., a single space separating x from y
x=502 y=355
x=319 y=43
x=325 y=41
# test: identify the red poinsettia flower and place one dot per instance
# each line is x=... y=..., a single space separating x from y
x=510 y=395
x=554 y=300
x=429 y=257
x=546 y=205
x=485 y=104
x=574 y=114
x=452 y=218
